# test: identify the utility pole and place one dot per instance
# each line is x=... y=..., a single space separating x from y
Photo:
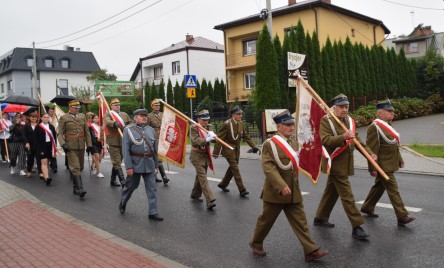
x=34 y=71
x=269 y=18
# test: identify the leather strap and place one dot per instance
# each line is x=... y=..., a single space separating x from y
x=144 y=155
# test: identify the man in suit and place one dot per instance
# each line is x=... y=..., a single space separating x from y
x=200 y=157
x=140 y=157
x=155 y=121
x=115 y=120
x=340 y=146
x=232 y=132
x=281 y=189
x=73 y=135
x=384 y=140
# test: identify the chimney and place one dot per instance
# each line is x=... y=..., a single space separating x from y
x=189 y=38
x=291 y=2
x=327 y=1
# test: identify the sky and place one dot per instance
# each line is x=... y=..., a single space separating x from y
x=118 y=38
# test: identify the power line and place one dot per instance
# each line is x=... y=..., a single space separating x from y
x=106 y=26
x=115 y=15
x=429 y=8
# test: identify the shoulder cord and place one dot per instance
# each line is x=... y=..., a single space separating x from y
x=333 y=129
x=276 y=157
x=384 y=137
x=141 y=135
x=232 y=132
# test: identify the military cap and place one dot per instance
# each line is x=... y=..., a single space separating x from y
x=115 y=102
x=204 y=115
x=74 y=103
x=341 y=99
x=155 y=102
x=284 y=118
x=140 y=112
x=236 y=110
x=385 y=104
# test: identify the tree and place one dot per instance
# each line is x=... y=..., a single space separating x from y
x=170 y=96
x=300 y=37
x=431 y=74
x=224 y=91
x=161 y=92
x=101 y=75
x=282 y=70
x=210 y=90
x=147 y=92
x=82 y=92
x=153 y=91
x=217 y=91
x=319 y=86
x=178 y=97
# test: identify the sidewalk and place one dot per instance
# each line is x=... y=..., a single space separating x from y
x=36 y=235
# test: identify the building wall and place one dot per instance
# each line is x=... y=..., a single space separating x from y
x=48 y=80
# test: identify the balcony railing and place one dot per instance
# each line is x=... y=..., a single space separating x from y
x=238 y=60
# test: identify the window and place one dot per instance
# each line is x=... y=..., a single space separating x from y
x=353 y=32
x=30 y=62
x=250 y=80
x=10 y=86
x=250 y=47
x=49 y=63
x=2 y=90
x=65 y=64
x=411 y=47
x=62 y=85
x=158 y=73
x=176 y=67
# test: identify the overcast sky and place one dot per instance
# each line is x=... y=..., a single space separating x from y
x=161 y=23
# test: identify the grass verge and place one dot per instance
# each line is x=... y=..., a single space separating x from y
x=428 y=150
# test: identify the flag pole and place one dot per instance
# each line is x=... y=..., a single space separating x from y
x=108 y=109
x=192 y=121
x=4 y=134
x=357 y=143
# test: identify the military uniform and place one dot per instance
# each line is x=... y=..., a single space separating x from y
x=384 y=144
x=114 y=141
x=140 y=154
x=73 y=134
x=232 y=132
x=201 y=159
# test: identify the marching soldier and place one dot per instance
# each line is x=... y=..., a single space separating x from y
x=340 y=146
x=232 y=132
x=115 y=120
x=155 y=121
x=383 y=139
x=73 y=134
x=281 y=190
x=140 y=157
x=200 y=157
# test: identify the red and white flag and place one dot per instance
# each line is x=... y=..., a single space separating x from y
x=172 y=138
x=308 y=118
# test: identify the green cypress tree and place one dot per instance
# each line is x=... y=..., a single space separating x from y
x=178 y=97
x=344 y=70
x=365 y=68
x=286 y=47
x=318 y=65
x=384 y=71
x=267 y=82
x=204 y=88
x=377 y=69
x=199 y=96
x=161 y=92
x=153 y=91
x=351 y=66
x=210 y=90
x=282 y=69
x=185 y=99
x=329 y=68
x=293 y=40
x=147 y=93
x=339 y=81
x=312 y=68
x=372 y=71
x=300 y=37
x=170 y=96
x=217 y=91
x=223 y=91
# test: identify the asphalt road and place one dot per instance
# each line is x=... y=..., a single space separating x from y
x=196 y=237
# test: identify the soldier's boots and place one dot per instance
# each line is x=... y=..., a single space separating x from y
x=78 y=186
x=121 y=176
x=163 y=174
x=113 y=182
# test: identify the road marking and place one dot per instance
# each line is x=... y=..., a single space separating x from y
x=171 y=172
x=214 y=179
x=384 y=205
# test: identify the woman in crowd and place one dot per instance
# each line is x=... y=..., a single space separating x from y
x=29 y=139
x=96 y=132
x=17 y=145
x=46 y=139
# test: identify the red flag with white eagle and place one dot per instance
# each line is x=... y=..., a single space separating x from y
x=172 y=138
x=308 y=119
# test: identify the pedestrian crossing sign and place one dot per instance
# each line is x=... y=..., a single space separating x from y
x=190 y=81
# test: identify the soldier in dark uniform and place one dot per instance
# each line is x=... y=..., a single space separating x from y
x=140 y=156
x=335 y=138
x=155 y=121
x=200 y=157
x=384 y=140
x=115 y=120
x=232 y=132
x=281 y=189
x=73 y=135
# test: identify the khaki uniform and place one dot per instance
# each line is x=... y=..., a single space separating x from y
x=342 y=166
x=74 y=132
x=277 y=179
x=232 y=132
x=389 y=159
x=113 y=138
x=200 y=160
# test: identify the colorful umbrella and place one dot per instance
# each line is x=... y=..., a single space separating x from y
x=13 y=108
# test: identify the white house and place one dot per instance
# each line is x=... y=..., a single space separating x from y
x=195 y=55
x=57 y=71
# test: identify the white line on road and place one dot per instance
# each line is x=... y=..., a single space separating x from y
x=384 y=205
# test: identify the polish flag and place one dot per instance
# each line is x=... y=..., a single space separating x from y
x=172 y=138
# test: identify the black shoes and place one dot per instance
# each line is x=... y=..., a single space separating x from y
x=211 y=205
x=165 y=180
x=359 y=233
x=122 y=208
x=155 y=217
x=114 y=183
x=158 y=180
x=196 y=198
x=323 y=223
x=48 y=181
x=243 y=193
x=224 y=188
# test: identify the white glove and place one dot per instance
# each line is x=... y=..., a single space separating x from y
x=210 y=136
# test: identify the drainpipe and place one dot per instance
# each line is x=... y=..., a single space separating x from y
x=141 y=83
x=316 y=19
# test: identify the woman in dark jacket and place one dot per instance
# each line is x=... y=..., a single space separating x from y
x=96 y=132
x=16 y=145
x=29 y=139
x=46 y=139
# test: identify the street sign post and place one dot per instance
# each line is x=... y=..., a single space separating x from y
x=191 y=85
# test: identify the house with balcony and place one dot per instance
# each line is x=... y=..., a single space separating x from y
x=57 y=71
x=195 y=55
x=418 y=42
x=327 y=19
